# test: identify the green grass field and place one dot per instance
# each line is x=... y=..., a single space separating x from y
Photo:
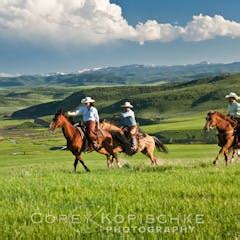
x=183 y=198
x=190 y=122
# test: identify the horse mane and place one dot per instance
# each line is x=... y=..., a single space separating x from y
x=110 y=122
x=59 y=112
x=225 y=117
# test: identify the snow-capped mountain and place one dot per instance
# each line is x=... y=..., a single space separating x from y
x=129 y=74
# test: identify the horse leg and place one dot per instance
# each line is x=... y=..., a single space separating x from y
x=233 y=151
x=115 y=156
x=75 y=165
x=112 y=155
x=227 y=150
x=109 y=161
x=82 y=162
x=226 y=157
x=215 y=162
x=150 y=155
x=112 y=160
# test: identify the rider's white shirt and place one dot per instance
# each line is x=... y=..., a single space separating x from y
x=89 y=114
x=234 y=109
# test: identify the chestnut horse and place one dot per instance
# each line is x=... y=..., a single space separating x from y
x=146 y=143
x=226 y=133
x=76 y=142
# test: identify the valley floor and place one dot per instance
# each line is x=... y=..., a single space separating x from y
x=184 y=198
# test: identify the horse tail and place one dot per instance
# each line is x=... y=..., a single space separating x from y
x=159 y=145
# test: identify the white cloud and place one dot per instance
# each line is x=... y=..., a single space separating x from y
x=98 y=21
x=205 y=27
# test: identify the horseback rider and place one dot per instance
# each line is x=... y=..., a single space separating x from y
x=234 y=109
x=130 y=124
x=233 y=106
x=90 y=119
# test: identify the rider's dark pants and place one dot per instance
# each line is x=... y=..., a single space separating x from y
x=91 y=131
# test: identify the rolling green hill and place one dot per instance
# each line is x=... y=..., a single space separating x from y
x=153 y=102
x=13 y=99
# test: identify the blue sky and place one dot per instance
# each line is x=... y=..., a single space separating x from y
x=43 y=47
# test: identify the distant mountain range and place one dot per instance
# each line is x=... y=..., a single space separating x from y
x=130 y=74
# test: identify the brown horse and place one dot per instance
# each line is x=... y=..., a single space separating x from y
x=146 y=143
x=226 y=133
x=76 y=142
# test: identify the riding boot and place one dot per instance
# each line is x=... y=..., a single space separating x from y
x=134 y=143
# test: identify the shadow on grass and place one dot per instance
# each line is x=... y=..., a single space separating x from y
x=55 y=148
x=71 y=172
x=203 y=165
x=166 y=168
x=139 y=168
x=145 y=168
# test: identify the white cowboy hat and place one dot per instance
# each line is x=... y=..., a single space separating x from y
x=127 y=105
x=232 y=95
x=87 y=100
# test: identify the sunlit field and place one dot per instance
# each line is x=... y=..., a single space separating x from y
x=185 y=197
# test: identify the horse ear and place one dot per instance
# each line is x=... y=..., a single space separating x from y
x=60 y=111
x=211 y=112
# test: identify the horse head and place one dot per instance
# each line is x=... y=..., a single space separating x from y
x=211 y=121
x=57 y=121
x=217 y=119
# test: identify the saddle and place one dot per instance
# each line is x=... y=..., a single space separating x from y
x=82 y=131
x=81 y=127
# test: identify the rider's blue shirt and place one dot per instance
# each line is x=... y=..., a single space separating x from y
x=129 y=118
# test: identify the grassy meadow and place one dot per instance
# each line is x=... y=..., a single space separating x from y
x=186 y=197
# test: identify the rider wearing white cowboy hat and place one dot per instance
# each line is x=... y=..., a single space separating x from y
x=233 y=106
x=90 y=118
x=129 y=121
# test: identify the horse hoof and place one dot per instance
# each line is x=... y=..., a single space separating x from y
x=119 y=166
x=215 y=162
x=159 y=163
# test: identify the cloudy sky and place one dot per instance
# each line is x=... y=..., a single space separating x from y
x=40 y=36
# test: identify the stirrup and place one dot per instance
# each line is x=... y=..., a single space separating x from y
x=96 y=146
